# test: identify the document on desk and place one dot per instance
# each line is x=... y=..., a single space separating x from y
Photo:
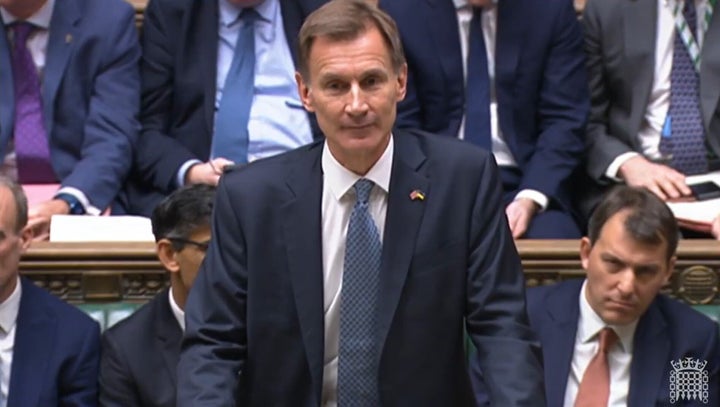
x=75 y=228
x=698 y=215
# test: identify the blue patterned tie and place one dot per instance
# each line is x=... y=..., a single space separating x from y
x=231 y=124
x=687 y=140
x=31 y=141
x=477 y=88
x=357 y=359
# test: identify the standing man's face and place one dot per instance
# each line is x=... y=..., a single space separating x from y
x=353 y=89
x=480 y=3
x=623 y=275
x=13 y=243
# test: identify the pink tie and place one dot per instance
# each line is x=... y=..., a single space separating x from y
x=594 y=388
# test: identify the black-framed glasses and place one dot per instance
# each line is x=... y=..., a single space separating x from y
x=202 y=246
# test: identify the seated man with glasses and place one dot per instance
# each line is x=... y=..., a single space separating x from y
x=140 y=353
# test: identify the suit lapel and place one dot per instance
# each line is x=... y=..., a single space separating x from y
x=61 y=39
x=292 y=19
x=169 y=336
x=558 y=339
x=303 y=231
x=442 y=23
x=651 y=353
x=207 y=31
x=640 y=19
x=402 y=223
x=33 y=344
x=7 y=96
x=509 y=37
x=710 y=71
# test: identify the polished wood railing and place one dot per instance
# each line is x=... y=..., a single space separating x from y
x=108 y=272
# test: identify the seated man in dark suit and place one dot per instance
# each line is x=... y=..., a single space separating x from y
x=69 y=98
x=509 y=76
x=49 y=350
x=140 y=353
x=612 y=339
x=217 y=89
x=655 y=88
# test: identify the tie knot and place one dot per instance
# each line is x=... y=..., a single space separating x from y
x=22 y=30
x=362 y=189
x=248 y=15
x=608 y=338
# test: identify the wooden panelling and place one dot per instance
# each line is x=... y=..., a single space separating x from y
x=107 y=272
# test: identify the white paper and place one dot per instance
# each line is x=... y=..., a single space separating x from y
x=77 y=228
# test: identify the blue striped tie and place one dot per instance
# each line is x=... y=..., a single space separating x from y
x=357 y=359
x=231 y=124
x=687 y=139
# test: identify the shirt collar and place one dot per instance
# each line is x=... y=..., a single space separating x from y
x=229 y=13
x=339 y=179
x=591 y=324
x=462 y=4
x=41 y=18
x=177 y=312
x=10 y=307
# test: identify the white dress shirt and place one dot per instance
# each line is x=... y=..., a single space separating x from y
x=500 y=149
x=338 y=199
x=177 y=311
x=586 y=346
x=37 y=45
x=659 y=101
x=8 y=318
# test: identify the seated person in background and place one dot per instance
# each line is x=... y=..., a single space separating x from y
x=612 y=339
x=509 y=76
x=69 y=98
x=655 y=114
x=218 y=88
x=49 y=350
x=140 y=353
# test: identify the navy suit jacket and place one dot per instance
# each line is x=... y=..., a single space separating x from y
x=540 y=82
x=448 y=263
x=56 y=353
x=140 y=356
x=90 y=92
x=668 y=331
x=179 y=75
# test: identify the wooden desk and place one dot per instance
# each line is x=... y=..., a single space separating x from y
x=106 y=272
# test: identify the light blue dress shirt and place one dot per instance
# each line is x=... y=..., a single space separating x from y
x=278 y=122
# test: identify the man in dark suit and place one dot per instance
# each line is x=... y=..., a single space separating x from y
x=508 y=76
x=49 y=350
x=651 y=93
x=193 y=55
x=69 y=97
x=345 y=272
x=629 y=256
x=140 y=354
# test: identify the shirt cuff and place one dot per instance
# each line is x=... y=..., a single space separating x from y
x=183 y=170
x=614 y=167
x=535 y=196
x=80 y=196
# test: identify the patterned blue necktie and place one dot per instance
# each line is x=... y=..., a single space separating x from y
x=477 y=88
x=687 y=139
x=357 y=359
x=231 y=123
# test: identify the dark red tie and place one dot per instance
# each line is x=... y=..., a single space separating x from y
x=594 y=390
